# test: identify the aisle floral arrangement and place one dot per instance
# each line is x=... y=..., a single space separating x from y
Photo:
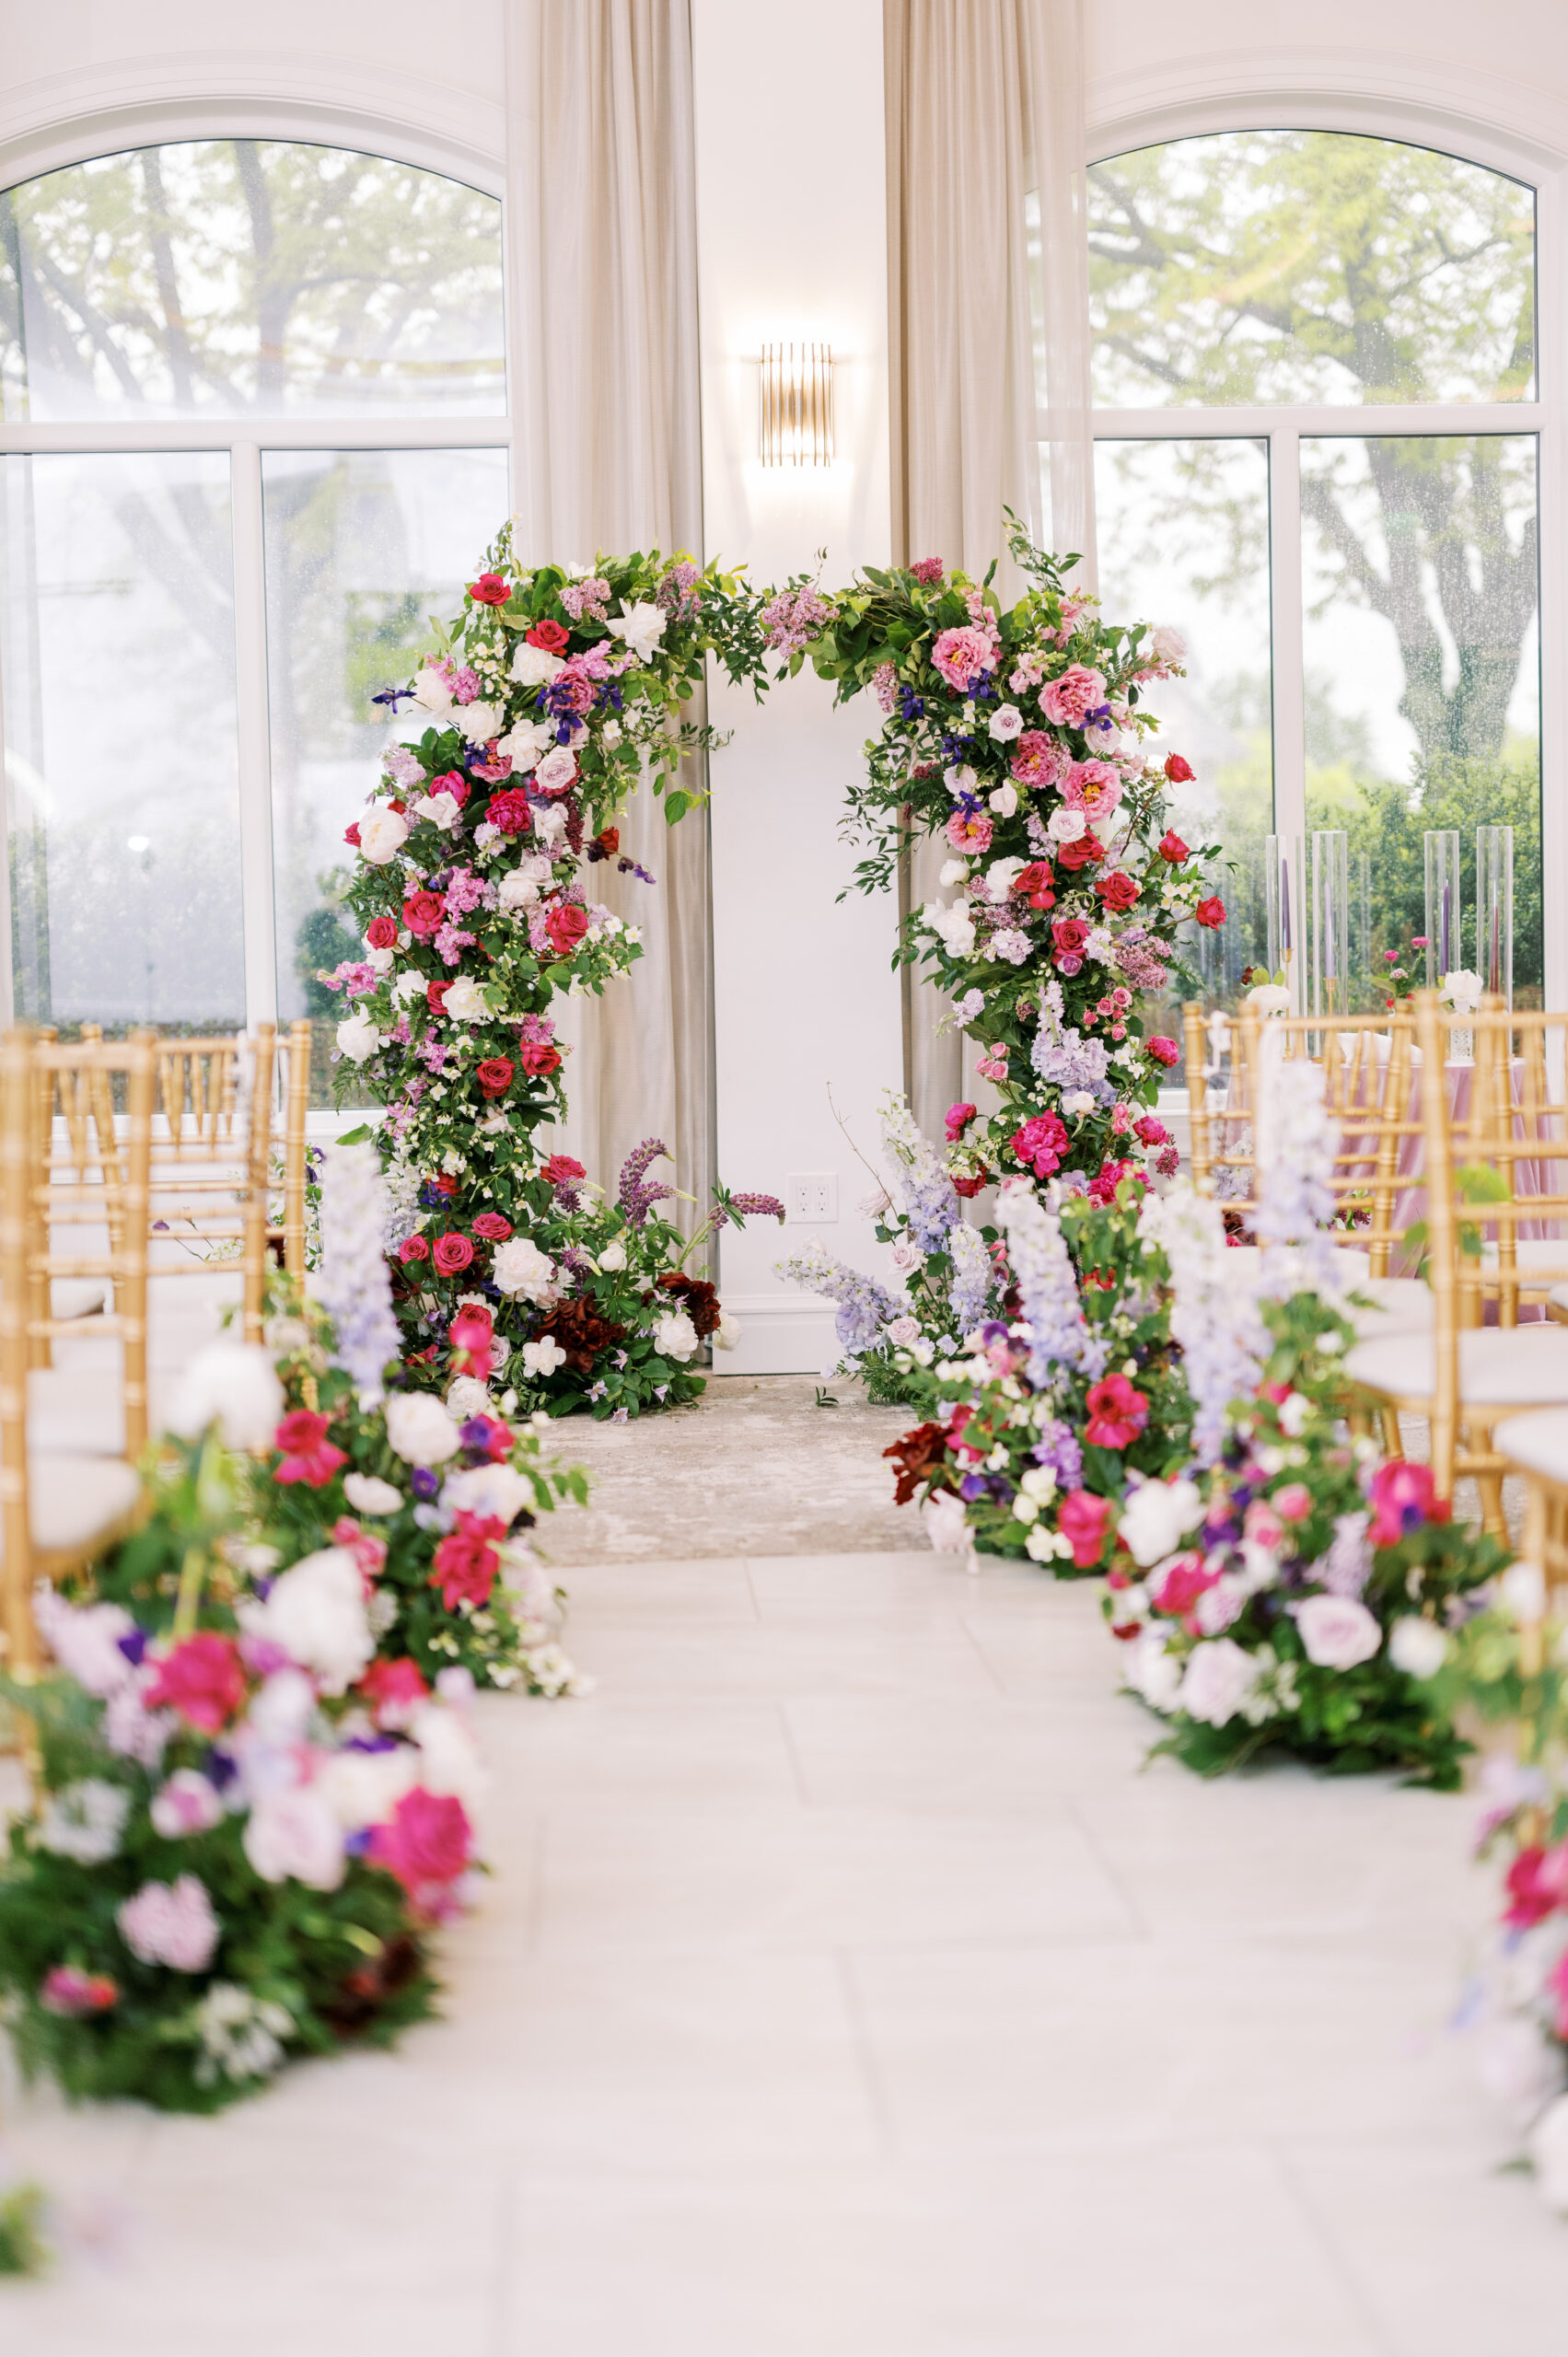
x=1016 y=735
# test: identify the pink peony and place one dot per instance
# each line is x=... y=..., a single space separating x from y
x=1093 y=787
x=963 y=656
x=969 y=830
x=1038 y=760
x=1040 y=1144
x=1069 y=700
x=1337 y=1631
x=1163 y=1052
x=171 y=1923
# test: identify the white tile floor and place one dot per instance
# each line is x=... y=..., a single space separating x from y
x=846 y=1990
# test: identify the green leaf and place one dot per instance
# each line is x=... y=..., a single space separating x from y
x=357 y=1137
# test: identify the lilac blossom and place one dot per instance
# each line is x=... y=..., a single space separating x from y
x=865 y=1306
x=790 y=618
x=1138 y=958
x=581 y=597
x=405 y=769
x=450 y=943
x=1059 y=1334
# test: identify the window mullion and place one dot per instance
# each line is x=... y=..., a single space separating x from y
x=255 y=761
x=1285 y=631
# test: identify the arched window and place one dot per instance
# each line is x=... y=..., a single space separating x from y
x=1360 y=593
x=253 y=405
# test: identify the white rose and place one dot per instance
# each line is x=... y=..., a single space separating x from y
x=368 y=1494
x=498 y=1489
x=542 y=1358
x=1006 y=723
x=1156 y=1517
x=430 y=691
x=556 y=772
x=295 y=1836
x=479 y=722
x=517 y=889
x=1418 y=1647
x=946 y=1526
x=954 y=927
x=519 y=1267
x=419 y=1429
x=727 y=1333
x=358 y=1037
x=550 y=822
x=1270 y=998
x=613 y=1256
x=466 y=1396
x=1001 y=877
x=641 y=628
x=902 y=1331
x=535 y=666
x=315 y=1611
x=233 y=1384
x=675 y=1336
x=382 y=834
x=524 y=742
x=1337 y=1631
x=466 y=1003
x=1170 y=646
x=1065 y=826
x=1218 y=1680
x=1004 y=799
x=442 y=809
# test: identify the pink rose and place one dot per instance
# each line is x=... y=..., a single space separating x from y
x=1294 y=1503
x=1082 y=1521
x=1337 y=1631
x=1163 y=1052
x=1069 y=700
x=1403 y=1497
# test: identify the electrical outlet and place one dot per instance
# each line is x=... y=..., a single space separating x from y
x=812 y=1194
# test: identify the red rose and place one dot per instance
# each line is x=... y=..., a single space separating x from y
x=537 y=1057
x=452 y=782
x=607 y=843
x=351 y=835
x=492 y=1227
x=435 y=997
x=471 y=1338
x=1211 y=911
x=203 y=1679
x=308 y=1455
x=970 y=1188
x=413 y=1248
x=451 y=1253
x=550 y=635
x=447 y=1184
x=494 y=1075
x=1163 y=1052
x=510 y=812
x=1082 y=1520
x=423 y=913
x=381 y=932
x=561 y=1170
x=489 y=590
x=1069 y=933
x=1117 y=1413
x=1173 y=848
x=1118 y=891
x=1087 y=851
x=425 y=1844
x=1178 y=771
x=392 y=1688
x=1033 y=884
x=466 y=1564
x=565 y=924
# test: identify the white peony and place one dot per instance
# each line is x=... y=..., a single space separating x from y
x=1337 y=1631
x=466 y=1001
x=315 y=1611
x=466 y=1396
x=675 y=1336
x=613 y=1257
x=556 y=772
x=295 y=1837
x=1001 y=877
x=954 y=927
x=542 y=1358
x=521 y=1269
x=498 y=1489
x=358 y=1037
x=382 y=960
x=479 y=722
x=641 y=627
x=419 y=1429
x=1065 y=826
x=1156 y=1517
x=524 y=742
x=1076 y=1103
x=535 y=666
x=1006 y=723
x=1462 y=990
x=550 y=822
x=430 y=690
x=1269 y=998
x=1218 y=1680
x=946 y=1524
x=1549 y=2151
x=727 y=1333
x=235 y=1386
x=1418 y=1647
x=408 y=986
x=954 y=871
x=382 y=834
x=84 y=1821
x=368 y=1494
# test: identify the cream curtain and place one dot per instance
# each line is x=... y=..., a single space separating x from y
x=989 y=311
x=601 y=230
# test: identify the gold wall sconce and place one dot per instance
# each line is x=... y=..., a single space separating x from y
x=797 y=405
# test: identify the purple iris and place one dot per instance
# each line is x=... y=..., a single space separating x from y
x=424 y=1484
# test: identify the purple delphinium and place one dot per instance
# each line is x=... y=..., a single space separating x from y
x=352 y=1284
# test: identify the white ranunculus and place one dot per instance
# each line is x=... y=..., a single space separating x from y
x=382 y=834
x=1417 y=1646
x=419 y=1429
x=1156 y=1517
x=641 y=627
x=524 y=742
x=367 y=1493
x=315 y=1611
x=442 y=809
x=1154 y=1671
x=1549 y=2151
x=1170 y=646
x=1337 y=1631
x=556 y=772
x=946 y=1524
x=235 y=1386
x=84 y=1821
x=1218 y=1680
x=613 y=1257
x=466 y=1001
x=358 y=1037
x=430 y=690
x=542 y=1358
x=520 y=1269
x=1006 y=723
x=1065 y=826
x=479 y=722
x=727 y=1333
x=675 y=1336
x=1004 y=798
x=295 y=1837
x=498 y=1489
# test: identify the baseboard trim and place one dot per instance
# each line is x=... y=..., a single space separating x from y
x=781 y=1334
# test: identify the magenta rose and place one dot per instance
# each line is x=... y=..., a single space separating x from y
x=452 y=1253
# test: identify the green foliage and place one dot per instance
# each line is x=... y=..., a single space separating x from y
x=23 y=2247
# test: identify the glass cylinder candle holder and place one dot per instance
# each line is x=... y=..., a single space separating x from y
x=1495 y=911
x=1284 y=902
x=1445 y=906
x=1329 y=928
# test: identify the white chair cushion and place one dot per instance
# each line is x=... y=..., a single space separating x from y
x=1542 y=1255
x=1399 y=1305
x=81 y=1411
x=1499 y=1366
x=1537 y=1442
x=73 y=1502
x=1353 y=1265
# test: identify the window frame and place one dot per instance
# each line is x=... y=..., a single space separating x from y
x=1282 y=429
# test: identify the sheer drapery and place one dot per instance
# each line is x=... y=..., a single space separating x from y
x=989 y=313
x=601 y=239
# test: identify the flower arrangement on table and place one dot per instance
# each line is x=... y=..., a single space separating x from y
x=588 y=1303
x=544 y=706
x=244 y=1824
x=1016 y=735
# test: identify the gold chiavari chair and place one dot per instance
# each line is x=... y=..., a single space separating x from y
x=1536 y=1445
x=1464 y=1375
x=57 y=1507
x=297 y=1107
x=212 y=1144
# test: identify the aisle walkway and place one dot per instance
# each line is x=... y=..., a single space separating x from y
x=846 y=1992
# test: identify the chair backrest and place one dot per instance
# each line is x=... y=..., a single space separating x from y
x=42 y=1083
x=1513 y=1124
x=1366 y=1062
x=297 y=1107
x=211 y=1155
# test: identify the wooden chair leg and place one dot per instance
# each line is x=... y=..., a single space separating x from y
x=1393 y=1439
